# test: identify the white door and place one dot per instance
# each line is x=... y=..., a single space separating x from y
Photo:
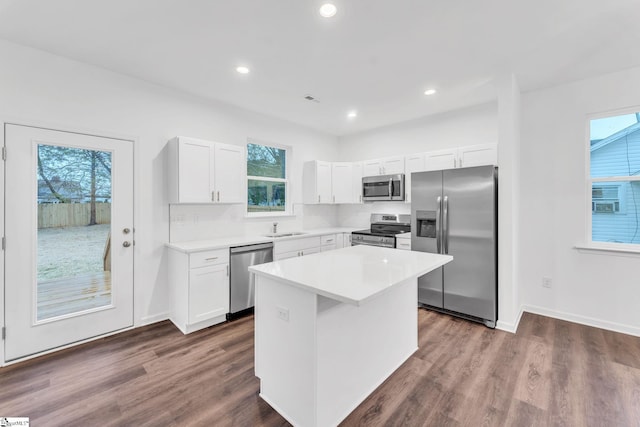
x=324 y=182
x=393 y=165
x=229 y=177
x=412 y=163
x=478 y=155
x=442 y=159
x=356 y=176
x=195 y=162
x=341 y=182
x=372 y=168
x=69 y=238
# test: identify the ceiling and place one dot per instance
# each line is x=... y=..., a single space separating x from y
x=374 y=56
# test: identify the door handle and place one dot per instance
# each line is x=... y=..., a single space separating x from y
x=445 y=225
x=438 y=225
x=218 y=196
x=126 y=244
x=213 y=196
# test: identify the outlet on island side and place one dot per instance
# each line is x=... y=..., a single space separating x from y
x=546 y=282
x=283 y=313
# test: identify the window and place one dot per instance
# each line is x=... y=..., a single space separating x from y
x=614 y=178
x=267 y=179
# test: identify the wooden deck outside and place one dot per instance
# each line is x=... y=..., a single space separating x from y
x=69 y=295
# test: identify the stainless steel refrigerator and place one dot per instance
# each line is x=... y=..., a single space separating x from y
x=455 y=212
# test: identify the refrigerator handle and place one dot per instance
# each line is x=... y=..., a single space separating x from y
x=438 y=224
x=445 y=225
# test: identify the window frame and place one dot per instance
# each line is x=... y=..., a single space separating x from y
x=287 y=180
x=608 y=180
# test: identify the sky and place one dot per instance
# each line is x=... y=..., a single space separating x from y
x=602 y=128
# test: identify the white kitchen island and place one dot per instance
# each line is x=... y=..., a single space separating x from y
x=331 y=327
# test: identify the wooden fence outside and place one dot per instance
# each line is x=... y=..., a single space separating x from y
x=71 y=214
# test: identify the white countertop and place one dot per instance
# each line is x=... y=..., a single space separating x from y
x=225 y=242
x=353 y=274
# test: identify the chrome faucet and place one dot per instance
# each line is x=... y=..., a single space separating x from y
x=275 y=227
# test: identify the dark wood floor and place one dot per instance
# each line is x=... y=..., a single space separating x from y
x=550 y=373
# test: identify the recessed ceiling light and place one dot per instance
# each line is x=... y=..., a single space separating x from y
x=328 y=10
x=430 y=92
x=242 y=70
x=352 y=114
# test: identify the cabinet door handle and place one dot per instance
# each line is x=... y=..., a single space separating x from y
x=213 y=196
x=211 y=259
x=454 y=163
x=218 y=196
x=318 y=198
x=334 y=199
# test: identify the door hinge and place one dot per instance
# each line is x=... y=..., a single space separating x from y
x=4 y=153
x=4 y=243
x=4 y=332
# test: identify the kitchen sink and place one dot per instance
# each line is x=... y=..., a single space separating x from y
x=293 y=233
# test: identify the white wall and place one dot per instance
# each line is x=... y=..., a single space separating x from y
x=37 y=87
x=469 y=126
x=588 y=287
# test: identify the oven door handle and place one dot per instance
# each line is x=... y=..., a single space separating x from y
x=390 y=188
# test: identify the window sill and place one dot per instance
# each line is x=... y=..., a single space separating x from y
x=264 y=215
x=605 y=249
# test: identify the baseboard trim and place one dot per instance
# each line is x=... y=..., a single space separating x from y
x=510 y=327
x=148 y=320
x=583 y=320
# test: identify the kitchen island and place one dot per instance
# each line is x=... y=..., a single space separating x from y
x=331 y=327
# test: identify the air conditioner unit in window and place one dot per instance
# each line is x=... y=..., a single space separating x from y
x=605 y=207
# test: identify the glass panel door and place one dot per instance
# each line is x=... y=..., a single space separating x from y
x=74 y=222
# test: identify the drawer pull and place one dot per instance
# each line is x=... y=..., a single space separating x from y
x=211 y=259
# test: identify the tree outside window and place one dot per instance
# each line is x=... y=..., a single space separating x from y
x=267 y=181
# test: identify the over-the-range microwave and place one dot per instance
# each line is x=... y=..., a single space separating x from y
x=383 y=187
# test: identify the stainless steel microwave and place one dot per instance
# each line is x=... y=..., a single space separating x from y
x=383 y=187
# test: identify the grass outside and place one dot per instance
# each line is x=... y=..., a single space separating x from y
x=71 y=251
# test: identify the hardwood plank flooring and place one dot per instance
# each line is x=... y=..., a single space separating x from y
x=551 y=373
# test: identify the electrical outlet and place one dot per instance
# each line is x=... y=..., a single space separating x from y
x=546 y=282
x=283 y=313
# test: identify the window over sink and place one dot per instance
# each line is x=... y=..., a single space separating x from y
x=267 y=179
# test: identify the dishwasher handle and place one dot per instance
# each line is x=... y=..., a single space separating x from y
x=250 y=248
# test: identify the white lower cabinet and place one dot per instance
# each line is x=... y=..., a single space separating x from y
x=199 y=285
x=403 y=243
x=283 y=249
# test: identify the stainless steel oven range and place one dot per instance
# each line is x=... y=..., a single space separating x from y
x=384 y=228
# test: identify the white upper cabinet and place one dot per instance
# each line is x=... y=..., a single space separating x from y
x=317 y=182
x=478 y=155
x=463 y=157
x=441 y=159
x=412 y=163
x=205 y=172
x=332 y=182
x=229 y=180
x=385 y=166
x=356 y=180
x=341 y=179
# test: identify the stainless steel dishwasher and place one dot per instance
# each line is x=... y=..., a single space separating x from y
x=242 y=283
